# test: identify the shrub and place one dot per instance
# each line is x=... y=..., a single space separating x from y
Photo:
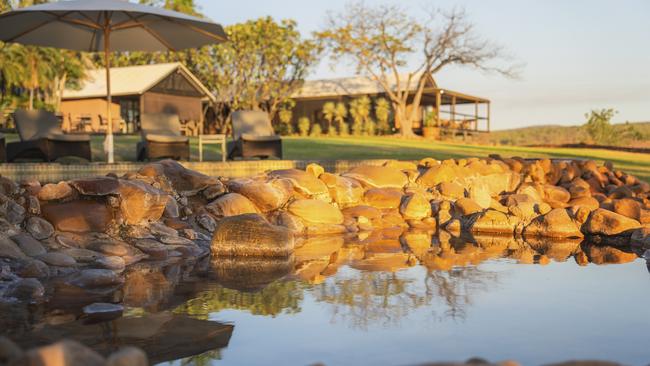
x=598 y=125
x=303 y=126
x=369 y=127
x=382 y=112
x=316 y=130
x=344 y=129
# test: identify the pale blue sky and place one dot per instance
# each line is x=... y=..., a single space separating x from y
x=579 y=54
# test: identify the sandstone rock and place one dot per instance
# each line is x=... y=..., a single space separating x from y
x=57 y=259
x=39 y=228
x=231 y=204
x=291 y=222
x=587 y=202
x=316 y=212
x=98 y=186
x=155 y=249
x=13 y=212
x=555 y=224
x=128 y=356
x=491 y=221
x=9 y=249
x=266 y=196
x=383 y=197
x=251 y=235
x=440 y=173
x=111 y=247
x=29 y=245
x=159 y=229
x=100 y=311
x=362 y=211
x=378 y=176
x=344 y=191
x=451 y=190
x=171 y=209
x=214 y=191
x=82 y=255
x=555 y=193
x=633 y=209
x=63 y=353
x=314 y=169
x=29 y=289
x=140 y=202
x=173 y=176
x=466 y=206
x=609 y=255
x=480 y=194
x=57 y=191
x=207 y=222
x=175 y=240
x=113 y=263
x=33 y=268
x=604 y=222
x=415 y=206
x=304 y=183
x=641 y=237
x=91 y=278
x=81 y=216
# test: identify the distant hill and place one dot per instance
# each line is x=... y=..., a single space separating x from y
x=560 y=135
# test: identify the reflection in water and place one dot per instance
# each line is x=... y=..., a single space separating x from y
x=378 y=278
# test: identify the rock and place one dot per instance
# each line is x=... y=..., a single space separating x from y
x=440 y=173
x=9 y=249
x=113 y=263
x=140 y=202
x=344 y=191
x=29 y=245
x=33 y=268
x=466 y=206
x=633 y=209
x=29 y=289
x=128 y=356
x=214 y=191
x=383 y=197
x=155 y=249
x=604 y=222
x=9 y=351
x=175 y=240
x=231 y=204
x=207 y=222
x=97 y=186
x=80 y=216
x=100 y=311
x=609 y=255
x=587 y=202
x=315 y=169
x=91 y=278
x=82 y=255
x=33 y=206
x=159 y=229
x=57 y=259
x=63 y=353
x=315 y=211
x=451 y=190
x=555 y=224
x=555 y=193
x=378 y=176
x=491 y=221
x=291 y=222
x=58 y=191
x=266 y=196
x=39 y=228
x=172 y=176
x=250 y=235
x=171 y=209
x=480 y=194
x=415 y=206
x=117 y=248
x=304 y=183
x=12 y=211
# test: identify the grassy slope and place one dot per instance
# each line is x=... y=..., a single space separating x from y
x=332 y=148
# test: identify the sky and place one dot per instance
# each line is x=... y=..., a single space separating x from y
x=578 y=55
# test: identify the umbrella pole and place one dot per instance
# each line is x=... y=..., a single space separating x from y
x=108 y=144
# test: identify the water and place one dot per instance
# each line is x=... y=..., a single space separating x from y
x=386 y=300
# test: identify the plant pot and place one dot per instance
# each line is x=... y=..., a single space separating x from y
x=432 y=133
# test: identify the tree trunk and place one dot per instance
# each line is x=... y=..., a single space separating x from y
x=405 y=121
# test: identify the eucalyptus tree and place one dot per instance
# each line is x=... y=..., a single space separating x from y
x=399 y=51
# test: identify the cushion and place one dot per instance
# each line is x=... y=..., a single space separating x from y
x=68 y=137
x=251 y=123
x=251 y=137
x=33 y=125
x=154 y=137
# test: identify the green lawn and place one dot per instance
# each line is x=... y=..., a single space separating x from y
x=332 y=148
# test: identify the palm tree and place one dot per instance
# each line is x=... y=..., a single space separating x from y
x=340 y=114
x=329 y=112
x=38 y=69
x=382 y=112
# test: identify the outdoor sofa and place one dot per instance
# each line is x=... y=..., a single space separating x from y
x=161 y=138
x=253 y=136
x=41 y=137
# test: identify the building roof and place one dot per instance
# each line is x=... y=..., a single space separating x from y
x=357 y=85
x=363 y=85
x=131 y=80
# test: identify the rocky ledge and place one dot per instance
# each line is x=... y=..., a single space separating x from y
x=86 y=232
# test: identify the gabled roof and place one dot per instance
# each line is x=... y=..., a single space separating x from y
x=131 y=80
x=358 y=85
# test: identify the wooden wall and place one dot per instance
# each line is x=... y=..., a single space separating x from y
x=187 y=108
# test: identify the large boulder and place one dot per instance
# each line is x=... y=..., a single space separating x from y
x=441 y=173
x=378 y=176
x=97 y=186
x=605 y=222
x=140 y=202
x=492 y=221
x=383 y=197
x=39 y=228
x=304 y=183
x=315 y=212
x=53 y=191
x=250 y=235
x=415 y=206
x=343 y=190
x=231 y=204
x=29 y=245
x=466 y=206
x=80 y=216
x=9 y=249
x=555 y=224
x=172 y=176
x=267 y=196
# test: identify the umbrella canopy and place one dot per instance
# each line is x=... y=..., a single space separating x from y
x=107 y=25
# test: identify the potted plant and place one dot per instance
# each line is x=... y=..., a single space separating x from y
x=430 y=129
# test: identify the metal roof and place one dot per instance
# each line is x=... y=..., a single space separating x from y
x=131 y=80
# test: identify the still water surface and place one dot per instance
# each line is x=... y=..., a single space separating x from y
x=383 y=303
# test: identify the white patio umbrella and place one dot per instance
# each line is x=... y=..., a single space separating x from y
x=107 y=25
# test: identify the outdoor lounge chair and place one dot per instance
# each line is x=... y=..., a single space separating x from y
x=161 y=138
x=41 y=137
x=253 y=136
x=3 y=149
